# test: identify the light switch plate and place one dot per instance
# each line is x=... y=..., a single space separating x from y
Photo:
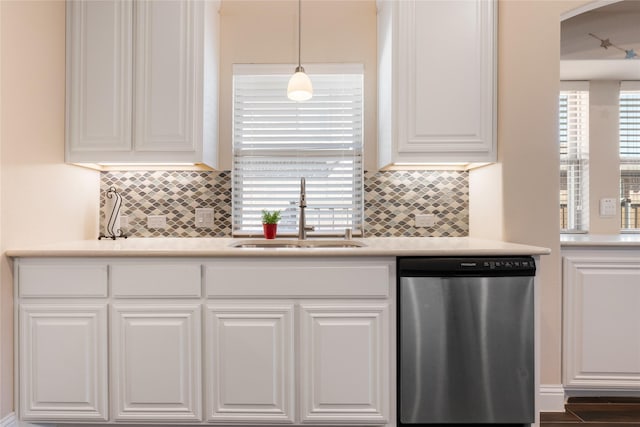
x=608 y=207
x=204 y=217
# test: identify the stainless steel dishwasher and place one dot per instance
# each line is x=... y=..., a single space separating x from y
x=466 y=341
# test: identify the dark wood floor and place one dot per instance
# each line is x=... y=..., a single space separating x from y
x=595 y=412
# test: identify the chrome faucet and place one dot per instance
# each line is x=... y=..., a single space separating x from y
x=302 y=227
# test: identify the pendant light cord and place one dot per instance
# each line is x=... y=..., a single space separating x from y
x=299 y=31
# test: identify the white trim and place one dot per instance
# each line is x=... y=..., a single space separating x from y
x=9 y=421
x=587 y=8
x=551 y=398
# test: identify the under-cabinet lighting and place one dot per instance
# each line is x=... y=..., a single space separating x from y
x=434 y=166
x=114 y=166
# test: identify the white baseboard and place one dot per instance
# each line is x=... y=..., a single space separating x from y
x=9 y=421
x=551 y=398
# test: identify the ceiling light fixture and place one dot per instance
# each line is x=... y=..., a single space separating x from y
x=299 y=88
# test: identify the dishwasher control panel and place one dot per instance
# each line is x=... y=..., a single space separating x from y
x=461 y=266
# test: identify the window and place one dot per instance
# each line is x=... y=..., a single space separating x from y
x=574 y=154
x=630 y=155
x=277 y=141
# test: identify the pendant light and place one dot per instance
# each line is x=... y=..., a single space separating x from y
x=299 y=88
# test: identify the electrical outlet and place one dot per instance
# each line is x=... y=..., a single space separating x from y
x=204 y=217
x=424 y=220
x=124 y=222
x=156 y=221
x=608 y=207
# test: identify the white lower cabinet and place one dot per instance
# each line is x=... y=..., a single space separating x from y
x=250 y=362
x=344 y=363
x=63 y=362
x=201 y=341
x=155 y=358
x=601 y=320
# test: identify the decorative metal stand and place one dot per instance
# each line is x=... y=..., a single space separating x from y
x=112 y=227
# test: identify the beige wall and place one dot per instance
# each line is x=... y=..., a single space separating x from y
x=527 y=175
x=333 y=31
x=604 y=157
x=42 y=199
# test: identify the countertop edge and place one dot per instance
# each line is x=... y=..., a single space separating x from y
x=600 y=240
x=219 y=248
x=294 y=253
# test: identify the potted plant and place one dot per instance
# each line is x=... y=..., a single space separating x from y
x=270 y=223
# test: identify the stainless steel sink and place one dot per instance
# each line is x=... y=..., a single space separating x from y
x=283 y=243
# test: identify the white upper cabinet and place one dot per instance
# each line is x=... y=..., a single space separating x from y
x=436 y=82
x=142 y=82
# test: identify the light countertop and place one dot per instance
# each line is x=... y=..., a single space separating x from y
x=220 y=247
x=621 y=240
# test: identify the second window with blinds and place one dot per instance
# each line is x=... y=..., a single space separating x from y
x=574 y=156
x=277 y=141
x=630 y=155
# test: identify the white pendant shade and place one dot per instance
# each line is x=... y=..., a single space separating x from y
x=299 y=88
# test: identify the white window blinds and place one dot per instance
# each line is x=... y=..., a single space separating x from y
x=277 y=141
x=630 y=155
x=574 y=155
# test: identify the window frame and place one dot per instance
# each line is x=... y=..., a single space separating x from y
x=242 y=228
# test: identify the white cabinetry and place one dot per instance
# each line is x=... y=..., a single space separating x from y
x=344 y=345
x=234 y=339
x=63 y=369
x=61 y=332
x=338 y=342
x=436 y=81
x=155 y=358
x=250 y=357
x=601 y=319
x=142 y=82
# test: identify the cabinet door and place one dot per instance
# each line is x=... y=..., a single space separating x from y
x=437 y=100
x=63 y=362
x=155 y=354
x=168 y=47
x=344 y=363
x=446 y=93
x=99 y=78
x=250 y=366
x=602 y=322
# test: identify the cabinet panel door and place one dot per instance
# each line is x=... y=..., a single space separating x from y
x=250 y=362
x=344 y=363
x=602 y=322
x=166 y=72
x=156 y=362
x=446 y=90
x=99 y=76
x=63 y=362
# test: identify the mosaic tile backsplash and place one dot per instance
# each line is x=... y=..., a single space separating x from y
x=391 y=199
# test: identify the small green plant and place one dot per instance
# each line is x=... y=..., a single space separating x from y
x=270 y=217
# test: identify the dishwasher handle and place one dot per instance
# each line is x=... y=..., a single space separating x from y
x=466 y=266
